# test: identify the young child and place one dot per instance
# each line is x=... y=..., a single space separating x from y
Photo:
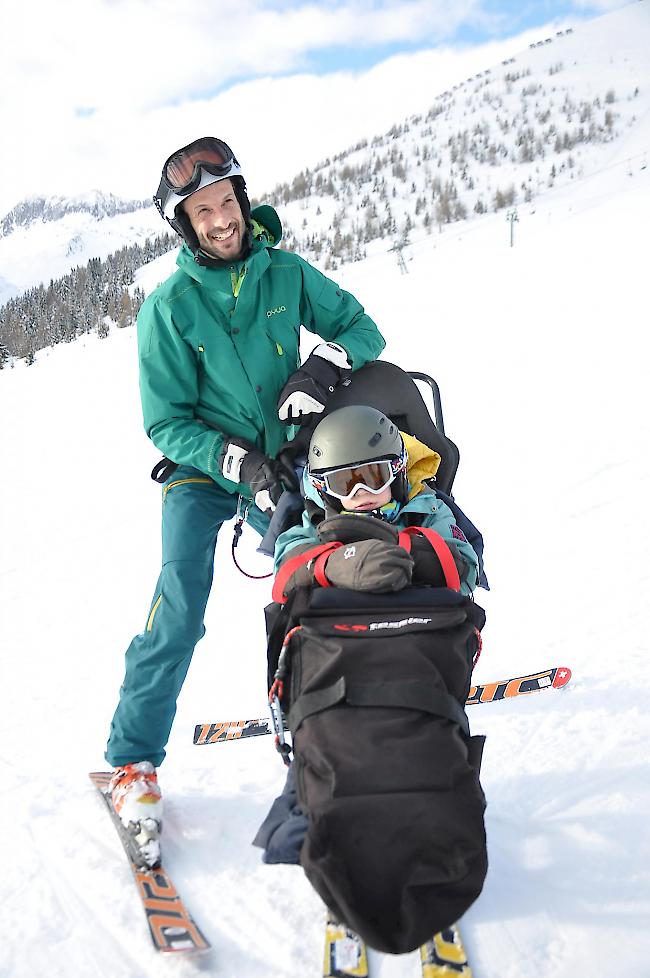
x=364 y=482
x=360 y=466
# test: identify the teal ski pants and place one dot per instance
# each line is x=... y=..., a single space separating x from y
x=193 y=510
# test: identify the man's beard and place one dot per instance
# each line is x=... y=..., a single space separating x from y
x=218 y=249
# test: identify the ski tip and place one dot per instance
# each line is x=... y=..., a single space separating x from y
x=562 y=677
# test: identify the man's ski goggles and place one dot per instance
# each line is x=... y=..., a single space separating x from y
x=374 y=477
x=187 y=168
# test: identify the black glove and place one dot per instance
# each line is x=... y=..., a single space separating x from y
x=241 y=461
x=296 y=450
x=427 y=567
x=307 y=389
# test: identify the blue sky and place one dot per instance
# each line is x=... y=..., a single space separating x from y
x=372 y=31
x=475 y=24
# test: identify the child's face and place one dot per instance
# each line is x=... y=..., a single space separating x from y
x=362 y=500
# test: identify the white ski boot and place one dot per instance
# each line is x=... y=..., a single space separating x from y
x=137 y=801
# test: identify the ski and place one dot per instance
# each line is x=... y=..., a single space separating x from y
x=346 y=955
x=345 y=952
x=444 y=956
x=171 y=926
x=216 y=733
x=555 y=678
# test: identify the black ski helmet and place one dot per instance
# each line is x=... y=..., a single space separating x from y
x=351 y=436
x=203 y=162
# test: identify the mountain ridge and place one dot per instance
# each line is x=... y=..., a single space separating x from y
x=39 y=207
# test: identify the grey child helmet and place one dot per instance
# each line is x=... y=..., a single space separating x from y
x=352 y=436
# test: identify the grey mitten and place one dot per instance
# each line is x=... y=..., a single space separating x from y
x=350 y=527
x=370 y=565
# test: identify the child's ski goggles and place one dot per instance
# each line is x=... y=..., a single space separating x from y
x=373 y=476
x=183 y=171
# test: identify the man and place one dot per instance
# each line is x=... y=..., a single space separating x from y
x=220 y=380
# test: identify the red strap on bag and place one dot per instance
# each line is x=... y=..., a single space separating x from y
x=290 y=566
x=321 y=560
x=404 y=540
x=443 y=553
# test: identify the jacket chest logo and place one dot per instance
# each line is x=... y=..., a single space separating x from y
x=274 y=312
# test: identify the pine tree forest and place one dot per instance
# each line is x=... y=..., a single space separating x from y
x=96 y=296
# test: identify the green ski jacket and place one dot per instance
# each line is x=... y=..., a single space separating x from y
x=217 y=345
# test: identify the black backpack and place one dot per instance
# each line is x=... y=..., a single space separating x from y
x=385 y=767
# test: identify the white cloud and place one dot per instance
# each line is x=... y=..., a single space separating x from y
x=600 y=6
x=96 y=93
x=92 y=53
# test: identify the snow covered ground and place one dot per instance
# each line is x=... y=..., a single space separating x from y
x=541 y=354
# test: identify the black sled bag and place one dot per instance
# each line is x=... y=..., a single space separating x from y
x=385 y=766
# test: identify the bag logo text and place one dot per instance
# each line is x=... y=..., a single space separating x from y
x=398 y=624
x=374 y=625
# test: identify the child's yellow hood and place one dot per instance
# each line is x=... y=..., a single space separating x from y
x=422 y=464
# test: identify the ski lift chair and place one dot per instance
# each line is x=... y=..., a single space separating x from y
x=394 y=392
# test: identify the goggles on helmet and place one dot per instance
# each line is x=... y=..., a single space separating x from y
x=191 y=168
x=372 y=476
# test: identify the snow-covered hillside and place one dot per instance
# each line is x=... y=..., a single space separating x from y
x=541 y=356
x=540 y=351
x=554 y=116
x=45 y=238
x=570 y=107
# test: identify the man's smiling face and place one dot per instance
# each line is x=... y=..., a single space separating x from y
x=216 y=216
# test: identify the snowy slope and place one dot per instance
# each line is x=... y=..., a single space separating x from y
x=540 y=354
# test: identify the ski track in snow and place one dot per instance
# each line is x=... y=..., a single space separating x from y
x=541 y=356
